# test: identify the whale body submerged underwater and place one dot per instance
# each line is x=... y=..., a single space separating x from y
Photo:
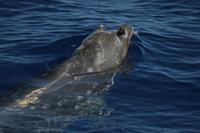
x=75 y=84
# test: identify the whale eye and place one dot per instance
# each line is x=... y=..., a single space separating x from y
x=121 y=32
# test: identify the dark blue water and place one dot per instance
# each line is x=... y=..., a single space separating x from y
x=159 y=92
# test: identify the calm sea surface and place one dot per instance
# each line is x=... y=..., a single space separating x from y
x=158 y=90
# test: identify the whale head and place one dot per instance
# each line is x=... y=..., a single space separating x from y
x=125 y=32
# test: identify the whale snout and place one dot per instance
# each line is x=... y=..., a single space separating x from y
x=125 y=31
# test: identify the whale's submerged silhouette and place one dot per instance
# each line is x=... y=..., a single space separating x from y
x=74 y=87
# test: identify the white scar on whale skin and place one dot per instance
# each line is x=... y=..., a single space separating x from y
x=90 y=69
x=100 y=55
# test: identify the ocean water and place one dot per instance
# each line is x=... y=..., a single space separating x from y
x=157 y=89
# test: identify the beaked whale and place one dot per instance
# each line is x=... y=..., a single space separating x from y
x=90 y=70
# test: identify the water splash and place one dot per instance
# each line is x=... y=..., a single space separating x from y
x=46 y=109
